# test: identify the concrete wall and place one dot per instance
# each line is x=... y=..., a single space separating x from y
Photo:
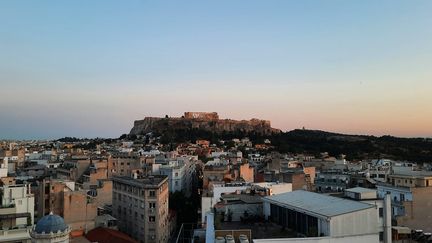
x=360 y=222
x=372 y=238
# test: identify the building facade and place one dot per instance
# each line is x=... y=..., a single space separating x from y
x=141 y=207
x=315 y=215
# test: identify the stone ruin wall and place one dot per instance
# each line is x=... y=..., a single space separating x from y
x=202 y=115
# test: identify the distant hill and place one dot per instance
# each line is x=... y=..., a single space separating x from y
x=354 y=146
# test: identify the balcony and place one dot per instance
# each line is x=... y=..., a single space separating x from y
x=10 y=209
x=17 y=234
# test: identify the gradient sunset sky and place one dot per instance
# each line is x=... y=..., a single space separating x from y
x=90 y=68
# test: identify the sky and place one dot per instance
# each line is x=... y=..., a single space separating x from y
x=90 y=68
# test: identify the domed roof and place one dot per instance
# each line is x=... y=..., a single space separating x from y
x=50 y=223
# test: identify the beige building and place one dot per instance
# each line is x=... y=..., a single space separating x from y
x=74 y=168
x=411 y=195
x=141 y=207
x=124 y=164
x=76 y=207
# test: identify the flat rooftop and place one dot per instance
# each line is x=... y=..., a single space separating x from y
x=245 y=198
x=148 y=181
x=316 y=203
x=360 y=190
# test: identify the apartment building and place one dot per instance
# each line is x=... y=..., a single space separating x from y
x=78 y=209
x=73 y=168
x=411 y=194
x=16 y=213
x=125 y=164
x=332 y=181
x=141 y=207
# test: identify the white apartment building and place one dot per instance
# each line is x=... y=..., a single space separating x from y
x=180 y=174
x=16 y=212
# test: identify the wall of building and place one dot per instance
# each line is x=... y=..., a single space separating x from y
x=247 y=173
x=371 y=238
x=132 y=209
x=356 y=223
x=237 y=210
x=77 y=213
x=418 y=213
x=176 y=173
x=104 y=193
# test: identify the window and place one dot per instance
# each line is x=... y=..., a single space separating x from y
x=152 y=193
x=152 y=219
x=176 y=183
x=381 y=236
x=176 y=174
x=381 y=212
x=402 y=197
x=152 y=205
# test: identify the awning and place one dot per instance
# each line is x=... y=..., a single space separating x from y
x=402 y=230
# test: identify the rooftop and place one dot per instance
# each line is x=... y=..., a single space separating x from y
x=245 y=198
x=420 y=174
x=155 y=180
x=360 y=190
x=105 y=235
x=316 y=203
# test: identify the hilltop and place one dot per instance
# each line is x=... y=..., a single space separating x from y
x=204 y=121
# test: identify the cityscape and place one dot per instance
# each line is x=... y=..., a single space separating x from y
x=216 y=122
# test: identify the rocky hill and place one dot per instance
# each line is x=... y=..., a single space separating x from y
x=201 y=121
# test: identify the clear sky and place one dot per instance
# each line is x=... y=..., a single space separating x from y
x=90 y=68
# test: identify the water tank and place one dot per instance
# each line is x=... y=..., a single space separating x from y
x=243 y=239
x=220 y=239
x=229 y=239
